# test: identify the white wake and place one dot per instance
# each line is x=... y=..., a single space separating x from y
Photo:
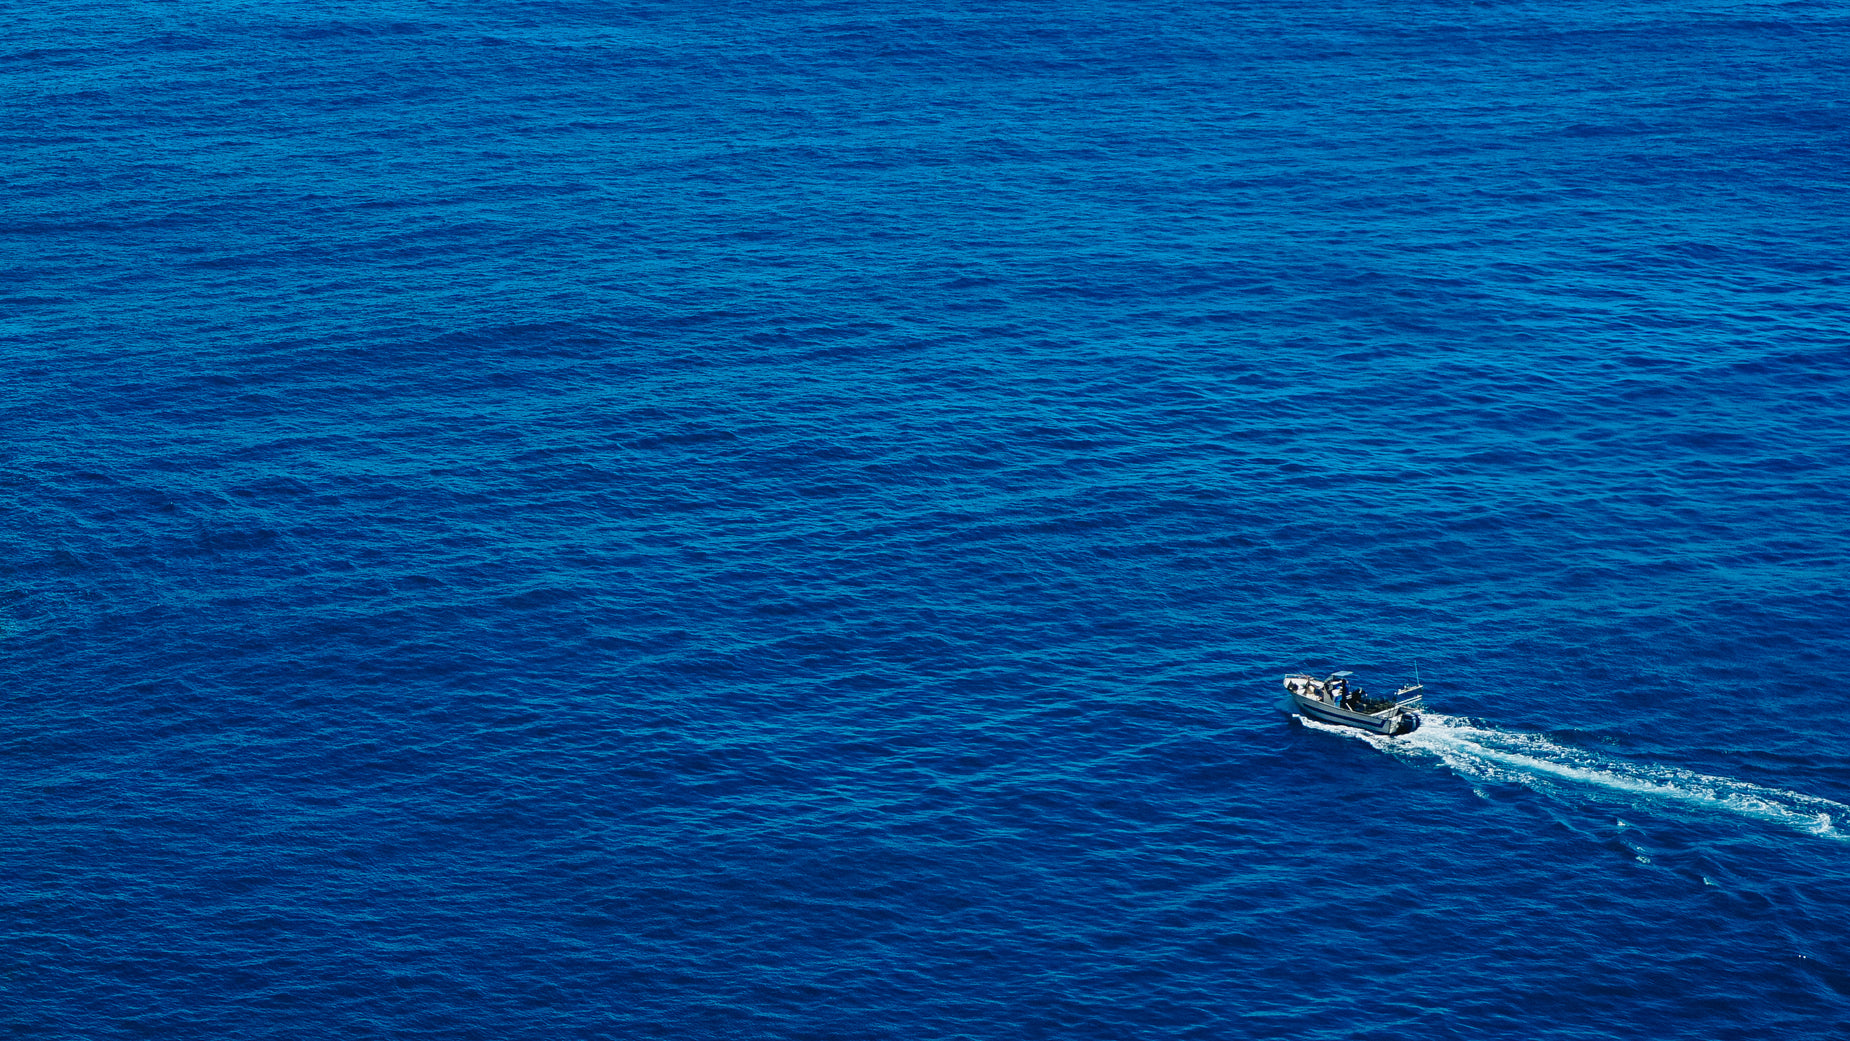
x=1535 y=761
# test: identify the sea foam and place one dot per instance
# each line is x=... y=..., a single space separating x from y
x=1481 y=752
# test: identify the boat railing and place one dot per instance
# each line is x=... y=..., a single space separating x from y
x=1417 y=701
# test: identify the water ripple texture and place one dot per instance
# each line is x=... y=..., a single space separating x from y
x=786 y=520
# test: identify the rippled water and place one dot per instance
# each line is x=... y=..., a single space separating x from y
x=788 y=520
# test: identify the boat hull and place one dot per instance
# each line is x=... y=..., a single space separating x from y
x=1385 y=724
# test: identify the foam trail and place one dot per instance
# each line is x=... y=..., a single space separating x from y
x=1533 y=760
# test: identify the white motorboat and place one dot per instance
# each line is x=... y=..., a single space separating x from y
x=1334 y=701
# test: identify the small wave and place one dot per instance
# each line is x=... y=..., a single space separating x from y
x=1482 y=753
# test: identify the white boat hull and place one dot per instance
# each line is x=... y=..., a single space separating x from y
x=1326 y=702
x=1386 y=723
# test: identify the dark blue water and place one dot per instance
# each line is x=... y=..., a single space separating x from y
x=721 y=520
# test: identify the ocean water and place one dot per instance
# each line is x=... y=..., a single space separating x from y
x=787 y=520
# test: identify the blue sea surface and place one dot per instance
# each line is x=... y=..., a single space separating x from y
x=787 y=520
